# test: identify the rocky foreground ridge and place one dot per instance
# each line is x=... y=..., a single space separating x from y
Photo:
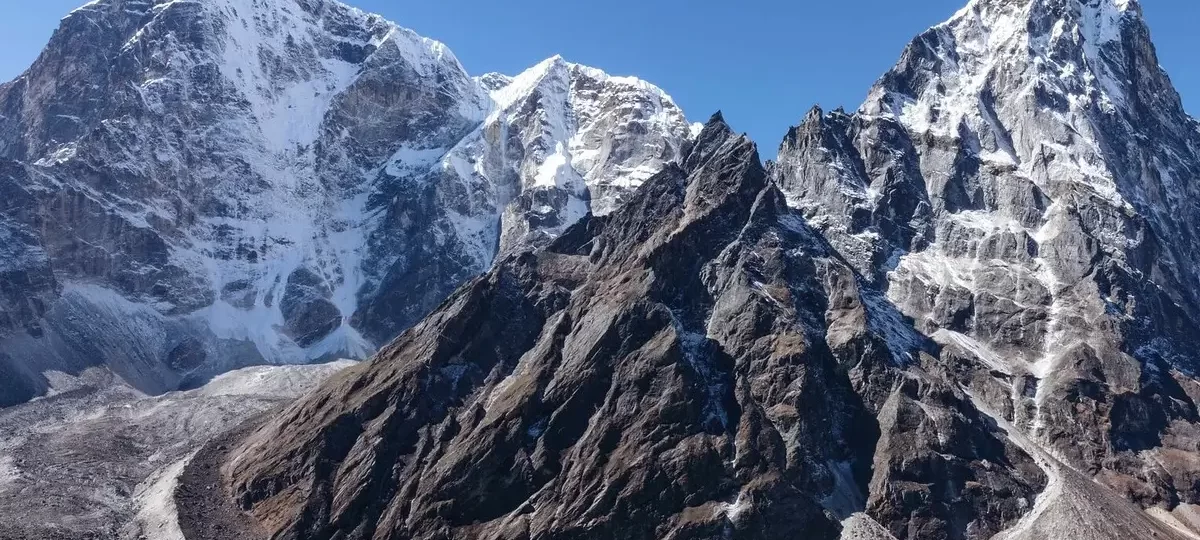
x=965 y=310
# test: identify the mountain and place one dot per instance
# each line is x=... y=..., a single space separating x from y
x=192 y=187
x=1022 y=185
x=695 y=365
x=966 y=310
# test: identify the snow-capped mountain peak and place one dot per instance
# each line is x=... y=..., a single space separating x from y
x=1019 y=184
x=1064 y=47
x=562 y=140
x=304 y=179
x=525 y=84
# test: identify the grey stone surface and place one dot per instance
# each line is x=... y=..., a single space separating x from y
x=1056 y=259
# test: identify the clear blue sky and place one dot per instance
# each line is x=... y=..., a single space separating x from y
x=763 y=62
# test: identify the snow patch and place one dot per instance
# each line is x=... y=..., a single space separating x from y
x=732 y=510
x=270 y=381
x=860 y=526
x=289 y=117
x=1049 y=464
x=157 y=517
x=555 y=171
x=63 y=154
x=409 y=159
x=846 y=499
x=981 y=352
x=9 y=473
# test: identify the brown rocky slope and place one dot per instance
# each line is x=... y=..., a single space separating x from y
x=696 y=365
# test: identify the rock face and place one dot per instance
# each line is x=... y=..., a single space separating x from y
x=1022 y=185
x=965 y=311
x=696 y=364
x=278 y=181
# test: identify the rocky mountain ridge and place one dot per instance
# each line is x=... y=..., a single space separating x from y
x=1022 y=182
x=965 y=310
x=952 y=314
x=679 y=369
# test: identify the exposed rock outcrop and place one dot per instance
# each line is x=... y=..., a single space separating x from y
x=666 y=371
x=1021 y=185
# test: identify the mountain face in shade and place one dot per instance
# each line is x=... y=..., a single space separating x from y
x=965 y=311
x=195 y=186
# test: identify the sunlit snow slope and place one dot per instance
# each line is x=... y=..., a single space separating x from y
x=194 y=186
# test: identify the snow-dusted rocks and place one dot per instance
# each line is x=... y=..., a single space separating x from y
x=279 y=181
x=561 y=140
x=1022 y=185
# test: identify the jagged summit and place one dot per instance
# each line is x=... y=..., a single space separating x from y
x=571 y=108
x=718 y=116
x=1066 y=49
x=1018 y=184
x=328 y=45
x=670 y=370
x=494 y=81
x=1070 y=54
x=508 y=89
